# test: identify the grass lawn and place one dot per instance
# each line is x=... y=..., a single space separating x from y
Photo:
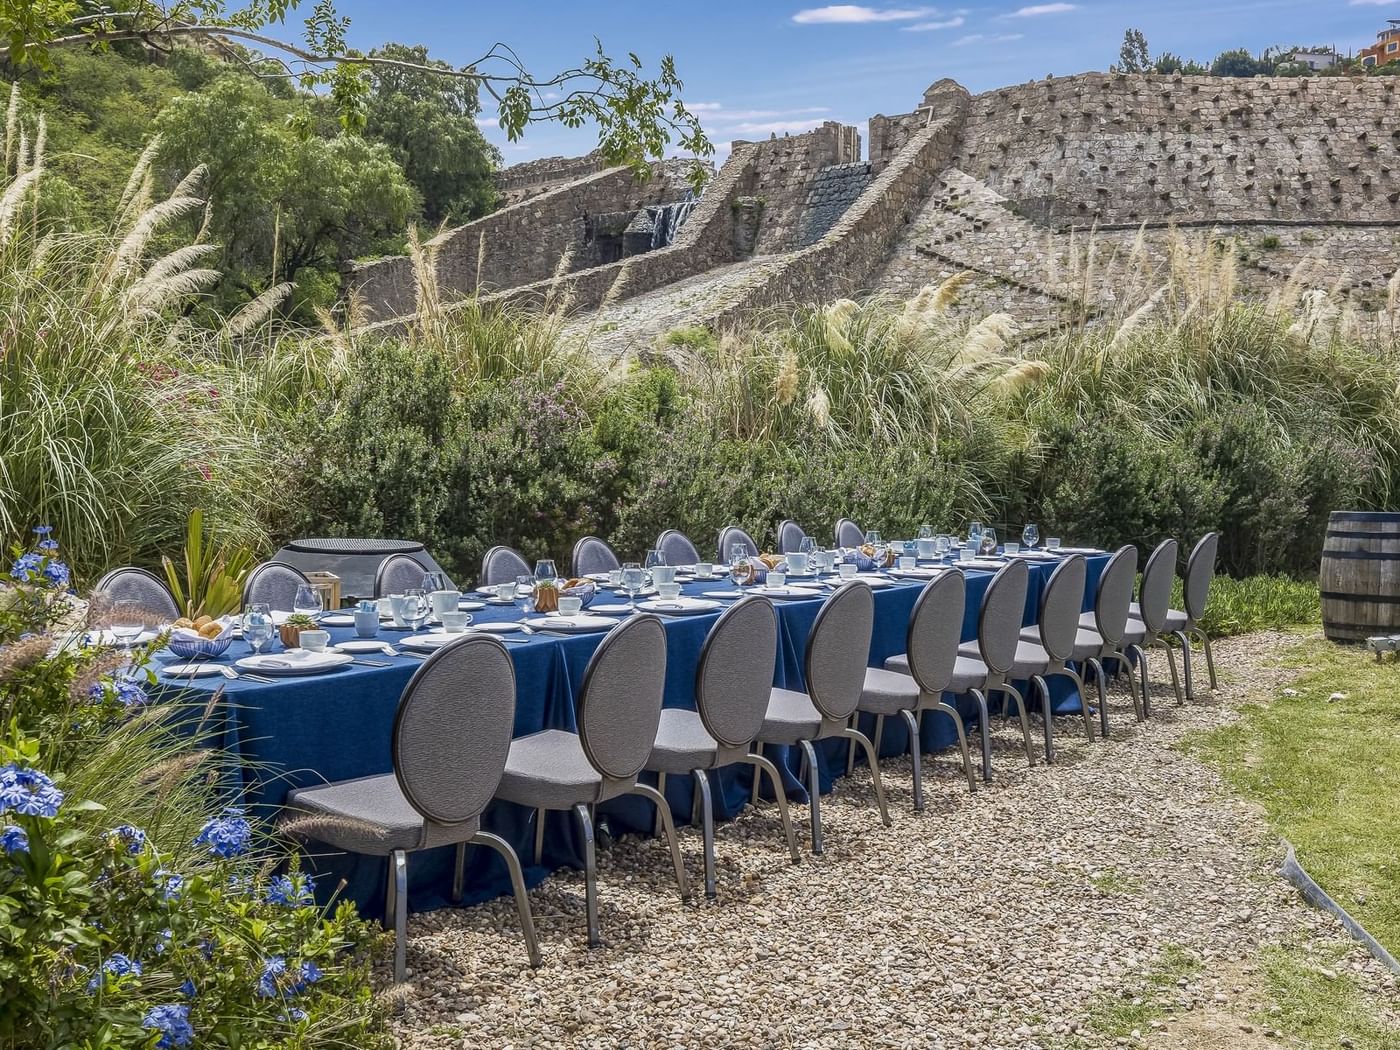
x=1327 y=773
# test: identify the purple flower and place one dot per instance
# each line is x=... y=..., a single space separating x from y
x=126 y=692
x=172 y=1021
x=227 y=835
x=127 y=837
x=291 y=891
x=13 y=840
x=116 y=967
x=29 y=792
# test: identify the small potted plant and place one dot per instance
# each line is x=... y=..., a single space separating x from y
x=547 y=596
x=290 y=631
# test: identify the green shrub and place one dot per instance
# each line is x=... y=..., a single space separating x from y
x=1257 y=603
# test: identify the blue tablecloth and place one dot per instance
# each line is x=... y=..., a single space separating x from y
x=303 y=731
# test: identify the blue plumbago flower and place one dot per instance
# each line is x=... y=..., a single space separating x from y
x=278 y=979
x=163 y=941
x=291 y=891
x=29 y=792
x=38 y=567
x=295 y=1015
x=227 y=835
x=116 y=967
x=126 y=692
x=127 y=837
x=172 y=1021
x=188 y=989
x=13 y=840
x=240 y=884
x=169 y=883
x=43 y=530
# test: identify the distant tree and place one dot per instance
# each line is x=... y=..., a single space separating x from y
x=1133 y=55
x=1238 y=63
x=429 y=124
x=1168 y=63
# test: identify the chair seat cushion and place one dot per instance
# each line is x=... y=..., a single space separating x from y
x=1031 y=657
x=969 y=672
x=370 y=815
x=1136 y=631
x=791 y=717
x=549 y=770
x=1177 y=620
x=683 y=744
x=1087 y=642
x=888 y=692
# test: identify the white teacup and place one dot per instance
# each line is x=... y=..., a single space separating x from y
x=1011 y=548
x=570 y=604
x=847 y=569
x=797 y=563
x=928 y=549
x=397 y=602
x=906 y=562
x=505 y=592
x=669 y=591
x=315 y=641
x=704 y=569
x=663 y=574
x=454 y=622
x=966 y=554
x=386 y=607
x=777 y=579
x=444 y=602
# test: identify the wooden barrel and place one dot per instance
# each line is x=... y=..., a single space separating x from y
x=1360 y=576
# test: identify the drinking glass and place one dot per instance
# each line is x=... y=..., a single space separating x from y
x=434 y=581
x=653 y=559
x=257 y=626
x=941 y=545
x=634 y=578
x=974 y=535
x=416 y=608
x=738 y=554
x=925 y=532
x=1052 y=543
x=809 y=546
x=307 y=601
x=545 y=571
x=872 y=538
x=989 y=540
x=524 y=593
x=128 y=621
x=1030 y=536
x=738 y=566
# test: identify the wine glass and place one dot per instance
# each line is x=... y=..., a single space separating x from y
x=524 y=594
x=925 y=532
x=307 y=601
x=434 y=581
x=545 y=571
x=809 y=546
x=941 y=545
x=989 y=540
x=128 y=621
x=738 y=566
x=974 y=535
x=1030 y=536
x=653 y=559
x=634 y=578
x=257 y=626
x=416 y=608
x=738 y=554
x=872 y=538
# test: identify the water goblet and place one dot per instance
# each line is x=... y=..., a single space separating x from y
x=653 y=560
x=257 y=626
x=925 y=532
x=989 y=541
x=128 y=621
x=434 y=581
x=1030 y=536
x=634 y=578
x=416 y=608
x=974 y=535
x=307 y=601
x=545 y=571
x=524 y=594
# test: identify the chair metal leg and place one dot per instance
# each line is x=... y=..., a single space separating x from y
x=459 y=872
x=590 y=874
x=1097 y=665
x=1210 y=658
x=851 y=723
x=916 y=758
x=1185 y=640
x=984 y=720
x=517 y=885
x=1041 y=686
x=1136 y=690
x=707 y=825
x=664 y=811
x=879 y=733
x=762 y=765
x=1171 y=664
x=540 y=815
x=814 y=790
x=1144 y=681
x=396 y=906
x=869 y=749
x=952 y=712
x=1008 y=689
x=757 y=753
x=661 y=789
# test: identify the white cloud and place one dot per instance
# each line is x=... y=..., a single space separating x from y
x=773 y=127
x=1370 y=3
x=718 y=112
x=983 y=38
x=487 y=122
x=849 y=14
x=924 y=27
x=1035 y=10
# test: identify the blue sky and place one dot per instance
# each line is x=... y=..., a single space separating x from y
x=774 y=66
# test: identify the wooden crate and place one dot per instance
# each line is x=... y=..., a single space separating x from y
x=328 y=585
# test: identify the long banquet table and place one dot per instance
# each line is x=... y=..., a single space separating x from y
x=296 y=732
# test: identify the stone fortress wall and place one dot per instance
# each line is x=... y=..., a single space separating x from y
x=1019 y=185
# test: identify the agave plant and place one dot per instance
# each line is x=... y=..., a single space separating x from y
x=210 y=581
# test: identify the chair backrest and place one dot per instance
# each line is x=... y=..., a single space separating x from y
x=848 y=533
x=453 y=729
x=1060 y=605
x=1115 y=594
x=1155 y=591
x=732 y=534
x=838 y=650
x=397 y=573
x=935 y=628
x=138 y=585
x=1200 y=570
x=999 y=619
x=677 y=548
x=502 y=565
x=734 y=678
x=593 y=555
x=619 y=706
x=273 y=583
x=790 y=537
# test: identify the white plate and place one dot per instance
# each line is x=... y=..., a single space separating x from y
x=499 y=627
x=294 y=662
x=1076 y=550
x=980 y=563
x=915 y=574
x=467 y=606
x=191 y=670
x=582 y=624
x=362 y=645
x=610 y=609
x=431 y=641
x=679 y=606
x=865 y=578
x=337 y=620
x=727 y=596
x=788 y=593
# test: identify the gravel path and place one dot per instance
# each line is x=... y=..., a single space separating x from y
x=994 y=919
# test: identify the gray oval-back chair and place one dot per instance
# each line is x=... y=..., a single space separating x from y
x=848 y=533
x=732 y=534
x=1100 y=635
x=1147 y=622
x=398 y=573
x=502 y=565
x=1185 y=623
x=677 y=548
x=619 y=708
x=1045 y=649
x=931 y=648
x=451 y=736
x=593 y=555
x=733 y=680
x=130 y=584
x=983 y=665
x=790 y=537
x=274 y=583
x=838 y=647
